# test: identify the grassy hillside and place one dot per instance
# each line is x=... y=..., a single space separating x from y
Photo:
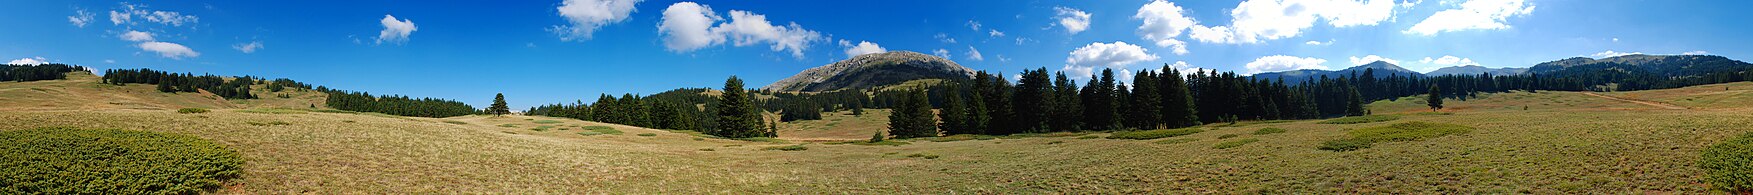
x=1564 y=143
x=83 y=91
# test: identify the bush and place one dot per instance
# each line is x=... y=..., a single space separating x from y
x=798 y=147
x=109 y=161
x=269 y=123
x=1361 y=119
x=1265 y=131
x=1227 y=136
x=456 y=122
x=1729 y=165
x=1176 y=140
x=1232 y=144
x=878 y=137
x=922 y=155
x=546 y=122
x=192 y=110
x=1153 y=134
x=648 y=134
x=602 y=130
x=1409 y=131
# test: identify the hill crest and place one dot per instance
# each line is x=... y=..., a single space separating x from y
x=872 y=70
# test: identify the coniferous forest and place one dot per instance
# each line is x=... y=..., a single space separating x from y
x=21 y=73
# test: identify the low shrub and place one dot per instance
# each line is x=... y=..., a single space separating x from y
x=192 y=110
x=272 y=111
x=1729 y=165
x=547 y=122
x=1153 y=134
x=110 y=161
x=1176 y=140
x=541 y=128
x=602 y=130
x=798 y=147
x=1055 y=142
x=269 y=123
x=958 y=137
x=1268 y=130
x=456 y=122
x=1409 y=131
x=1361 y=119
x=922 y=155
x=1233 y=144
x=1089 y=137
x=508 y=125
x=1227 y=136
x=648 y=134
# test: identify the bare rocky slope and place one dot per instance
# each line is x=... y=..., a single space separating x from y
x=872 y=70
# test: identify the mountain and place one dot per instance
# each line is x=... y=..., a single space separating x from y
x=1380 y=69
x=1475 y=70
x=1657 y=65
x=871 y=70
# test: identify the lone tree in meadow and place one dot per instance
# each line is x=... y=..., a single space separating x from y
x=1434 y=99
x=737 y=115
x=498 y=107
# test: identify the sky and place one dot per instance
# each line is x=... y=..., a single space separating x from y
x=560 y=51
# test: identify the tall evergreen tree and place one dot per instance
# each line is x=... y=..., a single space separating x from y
x=1031 y=100
x=498 y=107
x=1355 y=102
x=954 y=113
x=1067 y=109
x=1145 y=102
x=737 y=115
x=913 y=118
x=1434 y=101
x=1178 y=108
x=1100 y=105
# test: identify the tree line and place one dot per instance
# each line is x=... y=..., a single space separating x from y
x=22 y=72
x=236 y=88
x=395 y=104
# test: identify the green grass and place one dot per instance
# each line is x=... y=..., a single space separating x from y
x=1154 y=134
x=762 y=139
x=456 y=122
x=1089 y=137
x=542 y=128
x=1729 y=165
x=508 y=125
x=1264 y=131
x=192 y=110
x=958 y=137
x=547 y=122
x=1408 y=131
x=272 y=123
x=110 y=161
x=647 y=134
x=601 y=130
x=798 y=147
x=868 y=143
x=272 y=111
x=1176 y=140
x=1227 y=136
x=1235 y=143
x=922 y=155
x=1361 y=119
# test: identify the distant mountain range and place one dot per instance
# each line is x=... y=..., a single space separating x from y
x=1659 y=65
x=872 y=70
x=1380 y=69
x=1475 y=70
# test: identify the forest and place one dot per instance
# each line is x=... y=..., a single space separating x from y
x=22 y=73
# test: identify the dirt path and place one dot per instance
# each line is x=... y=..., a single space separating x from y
x=1649 y=103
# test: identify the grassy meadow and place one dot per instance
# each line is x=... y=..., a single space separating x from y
x=1540 y=143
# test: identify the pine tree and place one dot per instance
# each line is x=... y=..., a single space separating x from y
x=1354 y=106
x=1435 y=101
x=1178 y=108
x=913 y=118
x=1066 y=108
x=1145 y=101
x=857 y=108
x=954 y=112
x=737 y=115
x=498 y=107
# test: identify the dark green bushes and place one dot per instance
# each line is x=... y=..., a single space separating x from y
x=1154 y=134
x=1361 y=119
x=109 y=161
x=192 y=110
x=1729 y=165
x=1409 y=131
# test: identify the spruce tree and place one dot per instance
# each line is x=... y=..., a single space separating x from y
x=1178 y=108
x=737 y=115
x=1435 y=101
x=953 y=113
x=1145 y=101
x=913 y=117
x=498 y=107
x=1354 y=102
x=1066 y=107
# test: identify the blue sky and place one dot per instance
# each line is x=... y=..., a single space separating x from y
x=540 y=52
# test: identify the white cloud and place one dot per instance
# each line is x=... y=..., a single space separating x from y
x=1021 y=40
x=137 y=36
x=1448 y=60
x=1276 y=63
x=1163 y=21
x=1371 y=58
x=39 y=60
x=120 y=17
x=687 y=26
x=863 y=47
x=996 y=33
x=1473 y=15
x=945 y=38
x=1611 y=53
x=169 y=50
x=80 y=18
x=109 y=61
x=1257 y=20
x=250 y=47
x=1329 y=42
x=171 y=18
x=974 y=54
x=974 y=25
x=1699 y=52
x=586 y=16
x=941 y=53
x=1182 y=67
x=1072 y=19
x=1001 y=58
x=1615 y=39
x=395 y=31
x=1118 y=55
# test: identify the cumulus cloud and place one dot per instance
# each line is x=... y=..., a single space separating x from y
x=1699 y=52
x=39 y=60
x=127 y=13
x=395 y=31
x=945 y=53
x=974 y=54
x=171 y=18
x=169 y=50
x=1163 y=21
x=586 y=16
x=1472 y=15
x=120 y=17
x=1117 y=55
x=250 y=47
x=1371 y=58
x=137 y=36
x=1449 y=61
x=995 y=33
x=1071 y=19
x=863 y=47
x=945 y=38
x=688 y=26
x=1328 y=42
x=1257 y=20
x=1276 y=63
x=1611 y=53
x=80 y=18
